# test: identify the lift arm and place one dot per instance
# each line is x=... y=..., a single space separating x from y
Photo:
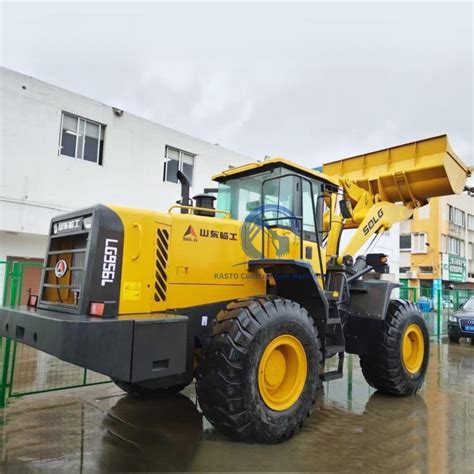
x=384 y=187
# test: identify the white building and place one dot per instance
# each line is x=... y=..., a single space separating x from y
x=61 y=151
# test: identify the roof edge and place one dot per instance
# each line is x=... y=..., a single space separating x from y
x=261 y=165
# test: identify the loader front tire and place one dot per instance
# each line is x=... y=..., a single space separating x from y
x=398 y=365
x=259 y=371
x=141 y=391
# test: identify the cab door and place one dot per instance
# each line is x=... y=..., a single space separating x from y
x=281 y=217
x=312 y=226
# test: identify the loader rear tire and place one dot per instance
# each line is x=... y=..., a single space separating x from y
x=398 y=365
x=259 y=371
x=140 y=391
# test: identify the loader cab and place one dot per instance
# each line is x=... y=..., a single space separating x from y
x=276 y=194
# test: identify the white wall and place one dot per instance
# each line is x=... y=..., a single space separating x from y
x=36 y=183
x=13 y=245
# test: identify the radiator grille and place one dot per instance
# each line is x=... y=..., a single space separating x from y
x=66 y=290
x=162 y=242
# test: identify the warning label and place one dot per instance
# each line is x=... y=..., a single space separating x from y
x=131 y=290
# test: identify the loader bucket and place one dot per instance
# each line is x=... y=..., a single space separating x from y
x=412 y=172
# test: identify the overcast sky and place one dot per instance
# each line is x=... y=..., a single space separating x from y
x=309 y=81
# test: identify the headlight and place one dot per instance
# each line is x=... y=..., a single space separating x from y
x=87 y=222
x=453 y=319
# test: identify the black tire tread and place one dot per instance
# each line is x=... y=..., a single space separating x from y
x=382 y=370
x=220 y=374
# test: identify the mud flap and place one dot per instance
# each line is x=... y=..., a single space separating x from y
x=366 y=311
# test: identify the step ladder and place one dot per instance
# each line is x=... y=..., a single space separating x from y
x=333 y=344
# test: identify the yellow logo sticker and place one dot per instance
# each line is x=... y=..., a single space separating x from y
x=131 y=290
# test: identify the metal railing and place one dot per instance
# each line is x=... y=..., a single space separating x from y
x=436 y=304
x=25 y=370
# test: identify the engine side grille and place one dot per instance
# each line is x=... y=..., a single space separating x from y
x=162 y=242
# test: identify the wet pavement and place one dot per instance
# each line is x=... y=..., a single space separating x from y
x=352 y=428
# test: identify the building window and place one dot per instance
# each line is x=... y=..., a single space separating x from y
x=426 y=269
x=404 y=269
x=470 y=222
x=456 y=216
x=455 y=246
x=419 y=242
x=405 y=242
x=175 y=160
x=81 y=138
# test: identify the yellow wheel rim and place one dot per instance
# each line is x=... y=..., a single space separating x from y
x=413 y=348
x=282 y=372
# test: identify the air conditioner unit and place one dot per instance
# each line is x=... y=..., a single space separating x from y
x=412 y=275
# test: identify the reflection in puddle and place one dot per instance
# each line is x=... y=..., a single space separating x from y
x=151 y=434
x=352 y=429
x=391 y=433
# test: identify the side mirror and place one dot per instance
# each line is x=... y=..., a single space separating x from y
x=346 y=209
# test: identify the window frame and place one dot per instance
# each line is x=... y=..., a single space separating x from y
x=470 y=222
x=99 y=157
x=181 y=152
x=418 y=242
x=457 y=246
x=456 y=216
x=229 y=198
x=405 y=249
x=425 y=269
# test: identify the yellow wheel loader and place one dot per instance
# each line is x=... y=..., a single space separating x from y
x=250 y=295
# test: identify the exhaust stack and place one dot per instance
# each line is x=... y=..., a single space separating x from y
x=185 y=185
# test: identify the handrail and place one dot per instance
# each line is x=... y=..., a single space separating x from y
x=137 y=226
x=204 y=209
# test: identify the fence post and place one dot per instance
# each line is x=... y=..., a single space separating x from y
x=349 y=382
x=438 y=312
x=15 y=278
x=5 y=283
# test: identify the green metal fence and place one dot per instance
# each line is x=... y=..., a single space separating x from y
x=24 y=370
x=437 y=305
